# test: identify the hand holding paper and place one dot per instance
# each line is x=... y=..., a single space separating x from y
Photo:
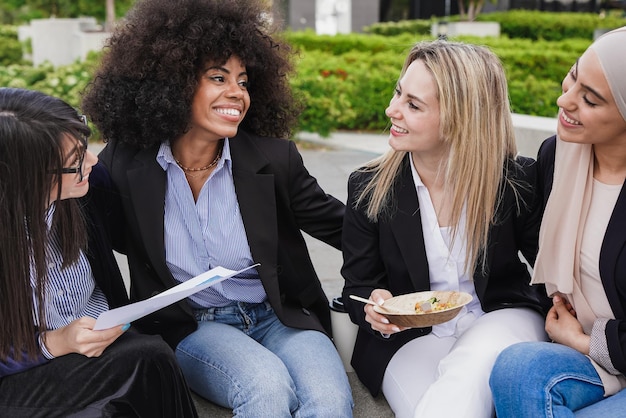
x=127 y=314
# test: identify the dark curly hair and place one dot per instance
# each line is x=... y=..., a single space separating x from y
x=142 y=92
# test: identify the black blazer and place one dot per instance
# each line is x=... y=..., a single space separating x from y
x=391 y=255
x=612 y=258
x=277 y=197
x=100 y=251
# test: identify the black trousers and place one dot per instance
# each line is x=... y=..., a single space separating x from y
x=136 y=376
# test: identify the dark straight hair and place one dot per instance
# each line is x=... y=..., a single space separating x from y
x=33 y=130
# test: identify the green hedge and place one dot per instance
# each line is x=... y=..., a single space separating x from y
x=343 y=43
x=348 y=91
x=346 y=81
x=530 y=24
x=552 y=26
x=66 y=82
x=534 y=69
x=10 y=47
x=416 y=27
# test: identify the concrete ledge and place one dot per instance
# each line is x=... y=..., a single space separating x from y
x=530 y=131
x=465 y=28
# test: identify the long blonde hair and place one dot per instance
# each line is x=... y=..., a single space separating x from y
x=475 y=122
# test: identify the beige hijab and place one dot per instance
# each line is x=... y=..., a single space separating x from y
x=557 y=263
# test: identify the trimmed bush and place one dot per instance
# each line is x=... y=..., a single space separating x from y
x=348 y=92
x=529 y=24
x=346 y=81
x=10 y=47
x=343 y=43
x=554 y=26
x=415 y=26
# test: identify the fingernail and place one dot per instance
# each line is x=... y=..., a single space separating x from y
x=384 y=321
x=125 y=327
x=557 y=299
x=395 y=329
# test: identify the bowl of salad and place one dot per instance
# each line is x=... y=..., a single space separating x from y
x=423 y=309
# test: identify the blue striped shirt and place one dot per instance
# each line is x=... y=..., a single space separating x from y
x=72 y=292
x=209 y=232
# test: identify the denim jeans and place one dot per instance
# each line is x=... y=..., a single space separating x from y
x=242 y=357
x=613 y=406
x=538 y=379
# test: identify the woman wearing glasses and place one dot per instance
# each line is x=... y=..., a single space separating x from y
x=58 y=273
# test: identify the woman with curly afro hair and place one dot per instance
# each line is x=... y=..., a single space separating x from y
x=193 y=99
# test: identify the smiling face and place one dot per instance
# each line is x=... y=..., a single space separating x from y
x=221 y=100
x=414 y=113
x=76 y=155
x=588 y=113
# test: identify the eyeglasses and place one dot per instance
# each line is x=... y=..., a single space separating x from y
x=81 y=158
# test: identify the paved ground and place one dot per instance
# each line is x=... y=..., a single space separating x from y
x=331 y=166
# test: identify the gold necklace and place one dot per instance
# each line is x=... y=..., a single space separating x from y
x=191 y=176
x=206 y=167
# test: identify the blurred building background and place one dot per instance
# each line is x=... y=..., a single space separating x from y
x=345 y=16
x=62 y=40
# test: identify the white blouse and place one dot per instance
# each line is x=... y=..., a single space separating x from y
x=446 y=260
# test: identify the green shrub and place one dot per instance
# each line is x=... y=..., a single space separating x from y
x=346 y=81
x=541 y=59
x=531 y=96
x=415 y=26
x=66 y=81
x=344 y=43
x=347 y=92
x=529 y=24
x=10 y=47
x=552 y=26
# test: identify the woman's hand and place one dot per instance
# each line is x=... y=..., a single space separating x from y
x=79 y=337
x=377 y=321
x=563 y=327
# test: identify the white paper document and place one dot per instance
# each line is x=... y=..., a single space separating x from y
x=129 y=313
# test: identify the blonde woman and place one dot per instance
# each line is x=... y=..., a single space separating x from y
x=449 y=207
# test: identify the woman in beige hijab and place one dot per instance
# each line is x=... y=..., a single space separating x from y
x=582 y=253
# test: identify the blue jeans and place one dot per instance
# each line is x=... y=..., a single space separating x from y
x=613 y=406
x=242 y=357
x=538 y=379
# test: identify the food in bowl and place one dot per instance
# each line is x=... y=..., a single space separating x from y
x=432 y=305
x=402 y=310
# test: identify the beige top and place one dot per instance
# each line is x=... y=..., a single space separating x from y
x=566 y=223
x=603 y=199
x=589 y=298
